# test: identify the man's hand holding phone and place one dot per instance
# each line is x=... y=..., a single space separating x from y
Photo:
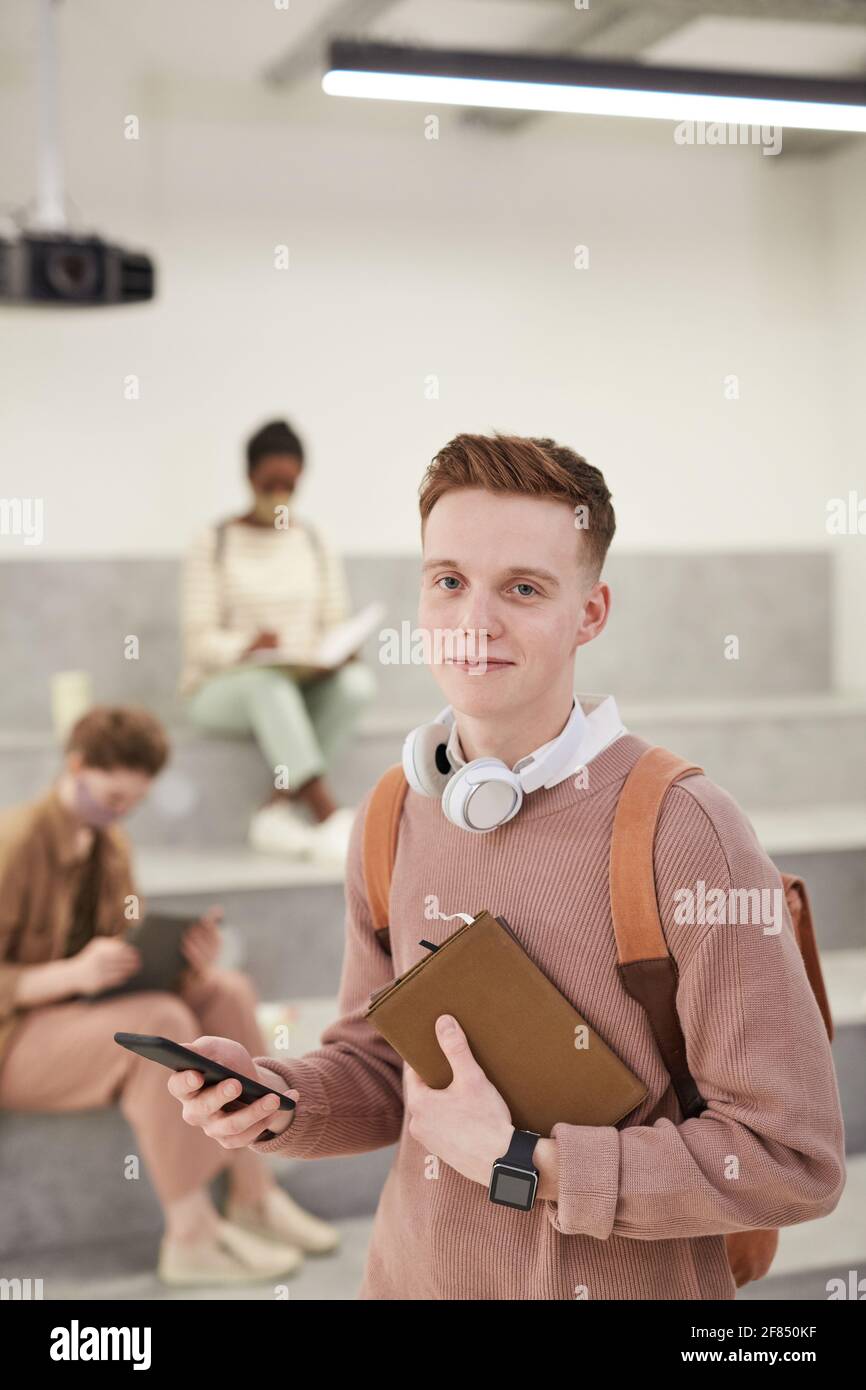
x=203 y=1105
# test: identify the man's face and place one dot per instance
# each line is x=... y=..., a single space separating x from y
x=117 y=790
x=508 y=567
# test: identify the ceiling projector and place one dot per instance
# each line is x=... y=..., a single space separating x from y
x=58 y=268
x=43 y=260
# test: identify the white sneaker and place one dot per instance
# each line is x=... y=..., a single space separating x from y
x=287 y=1223
x=330 y=838
x=278 y=829
x=233 y=1256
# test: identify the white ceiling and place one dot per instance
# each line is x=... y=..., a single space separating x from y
x=237 y=40
x=490 y=24
x=231 y=40
x=765 y=45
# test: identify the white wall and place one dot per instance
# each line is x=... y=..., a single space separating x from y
x=411 y=257
x=845 y=199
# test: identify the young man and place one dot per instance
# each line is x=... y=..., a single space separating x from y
x=515 y=532
x=67 y=897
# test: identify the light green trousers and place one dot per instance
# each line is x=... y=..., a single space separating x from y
x=299 y=728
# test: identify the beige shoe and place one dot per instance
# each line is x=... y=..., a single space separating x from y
x=283 y=1220
x=329 y=840
x=279 y=829
x=234 y=1256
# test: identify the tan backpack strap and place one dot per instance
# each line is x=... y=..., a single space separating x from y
x=633 y=902
x=381 y=826
x=801 y=919
x=646 y=967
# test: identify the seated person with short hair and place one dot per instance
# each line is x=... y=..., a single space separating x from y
x=67 y=896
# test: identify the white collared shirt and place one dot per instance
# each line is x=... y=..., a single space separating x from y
x=602 y=727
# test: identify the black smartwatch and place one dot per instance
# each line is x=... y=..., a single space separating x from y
x=514 y=1180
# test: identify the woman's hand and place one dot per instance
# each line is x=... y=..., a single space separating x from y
x=203 y=1105
x=104 y=962
x=263 y=641
x=202 y=941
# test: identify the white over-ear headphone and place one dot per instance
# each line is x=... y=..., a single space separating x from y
x=483 y=794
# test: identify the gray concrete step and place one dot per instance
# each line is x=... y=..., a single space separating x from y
x=808 y=1257
x=62 y=1177
x=290 y=918
x=126 y=1271
x=62 y=1183
x=291 y=942
x=671 y=616
x=775 y=753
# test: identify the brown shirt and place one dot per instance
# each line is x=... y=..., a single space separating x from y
x=42 y=879
x=85 y=899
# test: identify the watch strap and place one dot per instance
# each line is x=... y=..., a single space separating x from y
x=521 y=1149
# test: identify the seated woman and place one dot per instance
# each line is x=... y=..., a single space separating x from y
x=67 y=896
x=261 y=581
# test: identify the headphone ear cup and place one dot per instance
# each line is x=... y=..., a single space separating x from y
x=482 y=796
x=425 y=762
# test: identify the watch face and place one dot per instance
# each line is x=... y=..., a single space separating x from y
x=512 y=1187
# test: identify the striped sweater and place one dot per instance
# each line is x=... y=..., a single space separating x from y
x=266 y=579
x=642 y=1208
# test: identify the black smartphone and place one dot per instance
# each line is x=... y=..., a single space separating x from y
x=171 y=1054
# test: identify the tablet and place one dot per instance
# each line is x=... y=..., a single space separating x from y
x=159 y=941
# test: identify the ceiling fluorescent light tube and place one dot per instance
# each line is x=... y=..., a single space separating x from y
x=535 y=82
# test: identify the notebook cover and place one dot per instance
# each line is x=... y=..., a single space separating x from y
x=521 y=1030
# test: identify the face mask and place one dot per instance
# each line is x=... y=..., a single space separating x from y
x=265 y=504
x=89 y=810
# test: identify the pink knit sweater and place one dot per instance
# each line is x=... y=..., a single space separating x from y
x=642 y=1208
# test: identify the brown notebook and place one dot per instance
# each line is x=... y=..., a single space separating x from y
x=521 y=1030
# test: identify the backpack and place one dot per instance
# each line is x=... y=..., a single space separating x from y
x=646 y=967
